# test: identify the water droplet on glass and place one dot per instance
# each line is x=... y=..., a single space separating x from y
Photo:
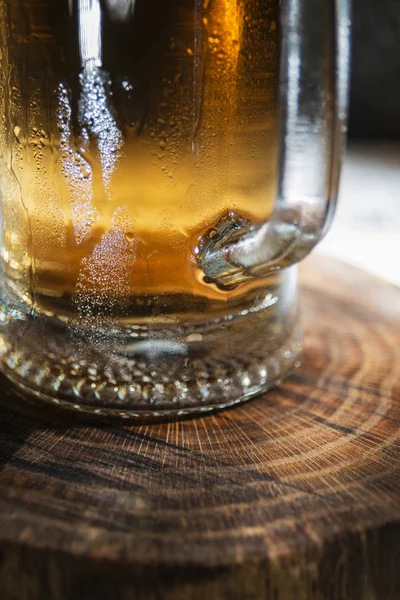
x=194 y=337
x=17 y=131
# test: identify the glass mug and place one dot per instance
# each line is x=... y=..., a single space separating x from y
x=164 y=164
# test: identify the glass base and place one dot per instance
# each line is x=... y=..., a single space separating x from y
x=136 y=371
x=139 y=400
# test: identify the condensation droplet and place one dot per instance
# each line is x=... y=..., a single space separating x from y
x=130 y=236
x=194 y=337
x=17 y=131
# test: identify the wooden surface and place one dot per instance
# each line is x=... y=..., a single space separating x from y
x=295 y=495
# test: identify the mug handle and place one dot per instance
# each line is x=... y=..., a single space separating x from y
x=314 y=80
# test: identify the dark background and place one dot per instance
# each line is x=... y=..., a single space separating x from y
x=375 y=81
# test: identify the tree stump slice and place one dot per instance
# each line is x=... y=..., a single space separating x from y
x=292 y=496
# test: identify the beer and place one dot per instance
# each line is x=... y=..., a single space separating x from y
x=132 y=132
x=130 y=129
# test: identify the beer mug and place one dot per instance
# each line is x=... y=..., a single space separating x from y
x=164 y=165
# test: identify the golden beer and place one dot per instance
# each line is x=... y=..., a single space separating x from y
x=131 y=131
x=125 y=139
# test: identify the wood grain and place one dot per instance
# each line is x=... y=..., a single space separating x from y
x=293 y=496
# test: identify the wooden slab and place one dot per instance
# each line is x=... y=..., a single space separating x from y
x=295 y=495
